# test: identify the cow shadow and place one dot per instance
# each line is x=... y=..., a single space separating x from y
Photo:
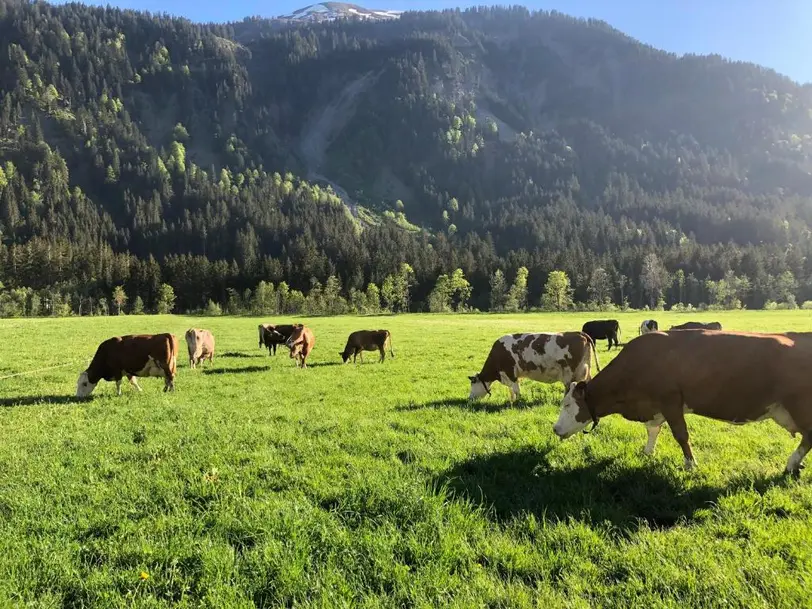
x=235 y=354
x=42 y=400
x=509 y=484
x=464 y=404
x=244 y=370
x=323 y=364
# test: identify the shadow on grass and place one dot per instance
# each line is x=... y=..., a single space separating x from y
x=323 y=364
x=235 y=354
x=507 y=484
x=464 y=404
x=245 y=370
x=31 y=400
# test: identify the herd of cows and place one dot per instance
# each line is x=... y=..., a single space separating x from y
x=658 y=377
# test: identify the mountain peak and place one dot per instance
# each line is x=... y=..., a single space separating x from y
x=329 y=11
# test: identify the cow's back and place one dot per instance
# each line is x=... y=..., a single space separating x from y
x=710 y=372
x=549 y=357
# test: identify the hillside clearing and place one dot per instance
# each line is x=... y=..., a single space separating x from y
x=257 y=484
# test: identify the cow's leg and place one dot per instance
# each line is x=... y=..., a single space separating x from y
x=676 y=421
x=118 y=386
x=794 y=464
x=383 y=354
x=653 y=429
x=361 y=354
x=134 y=382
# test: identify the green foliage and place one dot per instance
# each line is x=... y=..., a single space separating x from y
x=517 y=295
x=557 y=292
x=138 y=306
x=166 y=299
x=499 y=295
x=119 y=298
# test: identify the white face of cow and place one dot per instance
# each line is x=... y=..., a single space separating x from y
x=571 y=406
x=83 y=386
x=478 y=388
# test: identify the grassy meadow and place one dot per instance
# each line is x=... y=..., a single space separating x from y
x=257 y=484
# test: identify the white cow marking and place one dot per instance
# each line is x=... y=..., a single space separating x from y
x=567 y=425
x=795 y=459
x=151 y=368
x=653 y=428
x=83 y=386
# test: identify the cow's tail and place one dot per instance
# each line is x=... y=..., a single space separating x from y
x=619 y=336
x=593 y=349
x=260 y=335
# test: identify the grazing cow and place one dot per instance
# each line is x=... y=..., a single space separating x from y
x=131 y=356
x=737 y=377
x=648 y=325
x=271 y=335
x=201 y=346
x=603 y=328
x=367 y=340
x=543 y=357
x=696 y=325
x=301 y=343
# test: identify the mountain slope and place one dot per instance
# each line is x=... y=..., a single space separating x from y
x=510 y=138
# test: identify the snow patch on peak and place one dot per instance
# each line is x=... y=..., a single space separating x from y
x=330 y=11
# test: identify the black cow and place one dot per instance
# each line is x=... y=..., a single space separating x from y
x=697 y=325
x=603 y=328
x=271 y=335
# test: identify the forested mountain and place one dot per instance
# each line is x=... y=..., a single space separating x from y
x=138 y=149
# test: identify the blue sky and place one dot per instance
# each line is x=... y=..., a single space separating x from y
x=777 y=34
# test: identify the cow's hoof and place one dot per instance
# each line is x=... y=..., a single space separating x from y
x=794 y=473
x=690 y=464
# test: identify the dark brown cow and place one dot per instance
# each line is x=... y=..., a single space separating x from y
x=131 y=356
x=301 y=343
x=696 y=325
x=367 y=340
x=542 y=357
x=271 y=335
x=737 y=377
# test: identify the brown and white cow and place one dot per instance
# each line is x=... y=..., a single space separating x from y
x=272 y=335
x=696 y=325
x=200 y=344
x=131 y=356
x=367 y=340
x=301 y=343
x=543 y=357
x=736 y=377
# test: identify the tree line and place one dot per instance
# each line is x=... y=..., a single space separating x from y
x=451 y=293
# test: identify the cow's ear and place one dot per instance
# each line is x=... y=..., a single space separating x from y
x=472 y=379
x=580 y=389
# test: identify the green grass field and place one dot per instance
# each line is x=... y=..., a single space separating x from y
x=257 y=484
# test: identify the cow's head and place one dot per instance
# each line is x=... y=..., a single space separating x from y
x=83 y=386
x=575 y=414
x=345 y=355
x=479 y=388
